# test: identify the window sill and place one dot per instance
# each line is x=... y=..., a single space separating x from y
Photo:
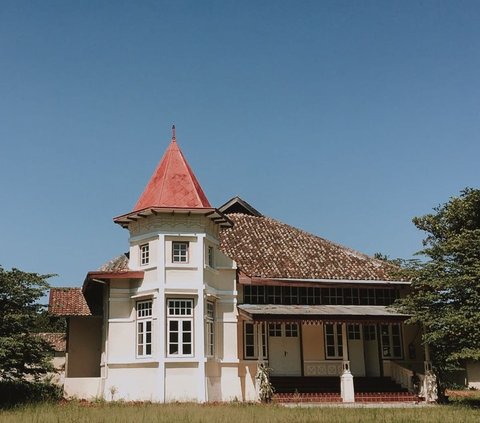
x=182 y=360
x=135 y=362
x=180 y=267
x=147 y=267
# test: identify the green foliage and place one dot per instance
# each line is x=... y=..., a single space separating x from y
x=45 y=322
x=22 y=353
x=13 y=393
x=445 y=295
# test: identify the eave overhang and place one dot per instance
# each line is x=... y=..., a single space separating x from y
x=215 y=215
x=318 y=313
x=245 y=279
x=103 y=277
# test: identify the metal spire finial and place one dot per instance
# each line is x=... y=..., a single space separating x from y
x=173 y=132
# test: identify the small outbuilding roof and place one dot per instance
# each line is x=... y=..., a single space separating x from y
x=68 y=302
x=57 y=340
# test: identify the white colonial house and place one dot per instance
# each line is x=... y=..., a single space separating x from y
x=205 y=295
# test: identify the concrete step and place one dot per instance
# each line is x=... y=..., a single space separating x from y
x=307 y=397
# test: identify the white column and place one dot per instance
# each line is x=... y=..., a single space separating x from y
x=346 y=379
x=258 y=328
x=160 y=323
x=199 y=325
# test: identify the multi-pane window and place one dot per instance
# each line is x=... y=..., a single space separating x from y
x=291 y=330
x=180 y=327
x=386 y=296
x=274 y=329
x=210 y=329
x=353 y=331
x=179 y=252
x=367 y=296
x=144 y=254
x=254 y=294
x=369 y=332
x=144 y=328
x=274 y=295
x=211 y=256
x=290 y=295
x=310 y=296
x=333 y=340
x=257 y=294
x=250 y=341
x=350 y=296
x=332 y=295
x=391 y=338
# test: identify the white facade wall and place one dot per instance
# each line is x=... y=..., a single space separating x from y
x=160 y=377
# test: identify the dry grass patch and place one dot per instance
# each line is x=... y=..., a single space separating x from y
x=231 y=413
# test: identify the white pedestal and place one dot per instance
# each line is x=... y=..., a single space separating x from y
x=346 y=387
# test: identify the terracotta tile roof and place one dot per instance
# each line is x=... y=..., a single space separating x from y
x=117 y=264
x=266 y=248
x=58 y=341
x=173 y=184
x=68 y=302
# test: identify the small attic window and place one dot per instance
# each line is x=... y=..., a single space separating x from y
x=144 y=254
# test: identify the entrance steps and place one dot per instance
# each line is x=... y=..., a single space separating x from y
x=291 y=389
x=386 y=397
x=306 y=397
x=303 y=385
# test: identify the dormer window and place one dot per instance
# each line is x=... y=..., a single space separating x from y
x=179 y=252
x=144 y=254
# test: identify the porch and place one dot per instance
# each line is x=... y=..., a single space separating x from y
x=328 y=389
x=335 y=353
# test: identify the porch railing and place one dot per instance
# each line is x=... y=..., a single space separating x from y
x=399 y=374
x=323 y=368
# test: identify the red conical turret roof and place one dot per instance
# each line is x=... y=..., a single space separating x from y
x=173 y=184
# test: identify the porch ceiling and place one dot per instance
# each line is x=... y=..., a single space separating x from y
x=312 y=313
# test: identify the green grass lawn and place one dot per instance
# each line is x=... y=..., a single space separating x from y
x=77 y=412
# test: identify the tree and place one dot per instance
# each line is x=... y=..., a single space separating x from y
x=445 y=296
x=22 y=353
x=45 y=322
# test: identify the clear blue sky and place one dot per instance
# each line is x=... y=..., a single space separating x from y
x=345 y=119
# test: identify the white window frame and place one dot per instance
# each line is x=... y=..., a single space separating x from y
x=337 y=340
x=369 y=332
x=274 y=329
x=254 y=337
x=391 y=341
x=180 y=313
x=144 y=254
x=144 y=328
x=211 y=256
x=354 y=332
x=180 y=257
x=210 y=329
x=291 y=330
